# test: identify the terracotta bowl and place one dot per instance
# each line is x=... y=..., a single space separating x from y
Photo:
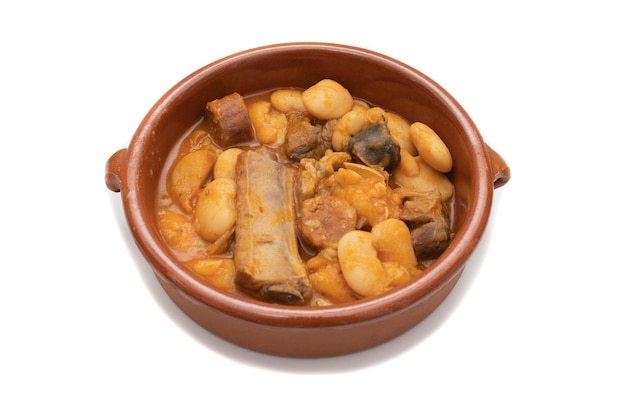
x=308 y=331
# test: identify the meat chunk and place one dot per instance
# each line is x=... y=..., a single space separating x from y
x=267 y=262
x=228 y=121
x=312 y=171
x=428 y=217
x=374 y=145
x=304 y=139
x=430 y=240
x=325 y=219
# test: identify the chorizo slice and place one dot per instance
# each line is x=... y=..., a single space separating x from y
x=324 y=219
x=267 y=262
x=228 y=121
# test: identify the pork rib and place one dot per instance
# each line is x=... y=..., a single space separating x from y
x=267 y=260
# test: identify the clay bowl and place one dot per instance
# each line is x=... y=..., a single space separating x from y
x=308 y=331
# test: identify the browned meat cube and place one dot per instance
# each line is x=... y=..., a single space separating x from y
x=304 y=139
x=428 y=217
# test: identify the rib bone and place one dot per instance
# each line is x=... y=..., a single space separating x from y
x=266 y=254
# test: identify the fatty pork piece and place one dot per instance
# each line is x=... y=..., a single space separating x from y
x=268 y=265
x=374 y=145
x=428 y=218
x=228 y=121
x=304 y=139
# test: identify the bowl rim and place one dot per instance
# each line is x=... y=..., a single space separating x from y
x=442 y=270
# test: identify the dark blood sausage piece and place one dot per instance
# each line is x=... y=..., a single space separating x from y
x=325 y=219
x=267 y=262
x=228 y=121
x=374 y=145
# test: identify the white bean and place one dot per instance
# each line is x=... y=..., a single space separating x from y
x=359 y=105
x=393 y=240
x=189 y=175
x=399 y=129
x=287 y=100
x=375 y=115
x=359 y=262
x=348 y=125
x=407 y=167
x=215 y=212
x=396 y=274
x=327 y=100
x=430 y=147
x=269 y=124
x=225 y=164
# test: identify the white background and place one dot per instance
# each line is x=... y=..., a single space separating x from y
x=536 y=325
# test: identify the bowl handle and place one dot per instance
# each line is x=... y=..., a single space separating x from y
x=114 y=167
x=499 y=168
x=114 y=170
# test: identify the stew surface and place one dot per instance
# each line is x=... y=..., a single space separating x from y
x=306 y=197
